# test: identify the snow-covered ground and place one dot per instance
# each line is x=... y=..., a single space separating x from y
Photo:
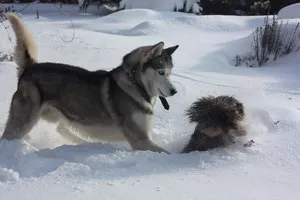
x=48 y=167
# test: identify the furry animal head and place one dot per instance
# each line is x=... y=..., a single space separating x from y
x=152 y=67
x=216 y=115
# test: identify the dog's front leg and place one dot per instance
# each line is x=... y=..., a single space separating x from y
x=138 y=137
x=146 y=144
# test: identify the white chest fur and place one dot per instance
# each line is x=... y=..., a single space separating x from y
x=143 y=121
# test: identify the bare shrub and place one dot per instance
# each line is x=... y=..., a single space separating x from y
x=270 y=42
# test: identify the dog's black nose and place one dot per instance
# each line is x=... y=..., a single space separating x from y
x=173 y=91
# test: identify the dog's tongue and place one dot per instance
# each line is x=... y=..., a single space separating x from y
x=164 y=102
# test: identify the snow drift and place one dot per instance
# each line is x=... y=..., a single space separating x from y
x=290 y=12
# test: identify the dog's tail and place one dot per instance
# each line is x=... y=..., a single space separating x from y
x=25 y=52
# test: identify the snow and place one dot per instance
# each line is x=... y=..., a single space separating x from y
x=290 y=11
x=49 y=167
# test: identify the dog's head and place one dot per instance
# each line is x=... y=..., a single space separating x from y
x=152 y=66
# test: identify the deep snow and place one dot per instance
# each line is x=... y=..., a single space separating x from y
x=48 y=167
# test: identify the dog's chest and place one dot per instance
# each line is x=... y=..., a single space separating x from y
x=143 y=121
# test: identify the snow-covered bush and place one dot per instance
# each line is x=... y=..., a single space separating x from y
x=187 y=6
x=271 y=41
x=4 y=55
x=192 y=8
x=259 y=8
x=4 y=10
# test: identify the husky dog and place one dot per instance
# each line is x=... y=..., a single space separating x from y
x=110 y=105
x=218 y=122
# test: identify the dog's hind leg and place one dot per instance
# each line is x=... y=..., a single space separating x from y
x=65 y=132
x=52 y=115
x=24 y=111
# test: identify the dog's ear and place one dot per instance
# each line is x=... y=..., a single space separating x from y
x=153 y=51
x=171 y=50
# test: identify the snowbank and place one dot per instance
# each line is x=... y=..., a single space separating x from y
x=290 y=12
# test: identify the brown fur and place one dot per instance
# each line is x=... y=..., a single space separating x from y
x=218 y=122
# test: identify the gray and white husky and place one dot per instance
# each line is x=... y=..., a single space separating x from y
x=110 y=105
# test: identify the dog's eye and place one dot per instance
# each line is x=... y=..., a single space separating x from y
x=161 y=73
